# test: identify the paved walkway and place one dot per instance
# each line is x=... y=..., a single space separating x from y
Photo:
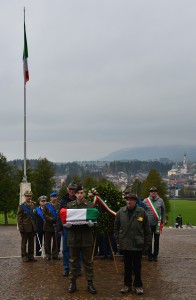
x=172 y=277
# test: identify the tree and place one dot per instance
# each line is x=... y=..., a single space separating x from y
x=8 y=188
x=43 y=178
x=137 y=187
x=154 y=179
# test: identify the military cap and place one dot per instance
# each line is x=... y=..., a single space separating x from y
x=28 y=193
x=131 y=196
x=73 y=186
x=153 y=189
x=42 y=198
x=53 y=194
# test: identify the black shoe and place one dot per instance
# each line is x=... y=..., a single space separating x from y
x=66 y=273
x=150 y=258
x=56 y=258
x=155 y=258
x=72 y=286
x=48 y=258
x=32 y=259
x=25 y=259
x=91 y=287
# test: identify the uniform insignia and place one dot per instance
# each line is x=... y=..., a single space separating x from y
x=140 y=219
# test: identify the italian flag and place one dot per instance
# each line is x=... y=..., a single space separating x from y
x=25 y=58
x=79 y=216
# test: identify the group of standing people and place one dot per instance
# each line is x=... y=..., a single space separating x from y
x=137 y=228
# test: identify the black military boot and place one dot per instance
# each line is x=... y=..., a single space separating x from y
x=72 y=286
x=91 y=287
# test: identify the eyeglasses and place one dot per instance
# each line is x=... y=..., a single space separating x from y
x=153 y=191
x=42 y=200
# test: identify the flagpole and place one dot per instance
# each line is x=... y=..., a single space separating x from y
x=25 y=185
x=25 y=141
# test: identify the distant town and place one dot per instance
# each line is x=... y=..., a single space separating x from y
x=180 y=177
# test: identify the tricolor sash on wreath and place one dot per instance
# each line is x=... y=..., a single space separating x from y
x=39 y=212
x=156 y=214
x=28 y=211
x=79 y=216
x=52 y=210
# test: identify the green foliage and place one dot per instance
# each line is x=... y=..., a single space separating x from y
x=113 y=199
x=136 y=166
x=154 y=179
x=63 y=190
x=8 y=188
x=42 y=178
x=137 y=187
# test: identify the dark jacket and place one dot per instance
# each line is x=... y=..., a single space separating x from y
x=65 y=200
x=133 y=234
x=25 y=222
x=50 y=220
x=80 y=235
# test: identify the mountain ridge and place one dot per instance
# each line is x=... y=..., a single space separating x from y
x=173 y=153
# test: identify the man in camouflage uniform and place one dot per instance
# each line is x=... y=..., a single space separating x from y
x=27 y=227
x=50 y=213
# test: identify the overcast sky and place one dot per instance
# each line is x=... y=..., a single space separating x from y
x=104 y=75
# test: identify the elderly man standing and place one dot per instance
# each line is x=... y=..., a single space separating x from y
x=156 y=215
x=27 y=227
x=132 y=234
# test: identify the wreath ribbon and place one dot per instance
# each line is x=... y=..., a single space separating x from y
x=94 y=194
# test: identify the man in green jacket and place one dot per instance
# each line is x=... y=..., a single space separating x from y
x=133 y=236
x=80 y=240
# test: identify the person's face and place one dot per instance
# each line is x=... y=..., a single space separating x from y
x=42 y=202
x=153 y=194
x=71 y=192
x=53 y=199
x=28 y=199
x=80 y=195
x=131 y=203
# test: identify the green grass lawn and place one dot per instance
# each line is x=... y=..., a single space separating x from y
x=186 y=208
x=10 y=220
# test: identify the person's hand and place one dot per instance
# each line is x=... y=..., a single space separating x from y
x=22 y=231
x=68 y=225
x=90 y=223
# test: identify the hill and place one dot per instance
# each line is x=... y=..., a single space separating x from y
x=173 y=153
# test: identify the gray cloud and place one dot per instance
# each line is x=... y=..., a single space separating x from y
x=104 y=75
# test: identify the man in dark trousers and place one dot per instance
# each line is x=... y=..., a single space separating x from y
x=27 y=227
x=50 y=213
x=39 y=224
x=133 y=236
x=156 y=216
x=68 y=197
x=80 y=240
